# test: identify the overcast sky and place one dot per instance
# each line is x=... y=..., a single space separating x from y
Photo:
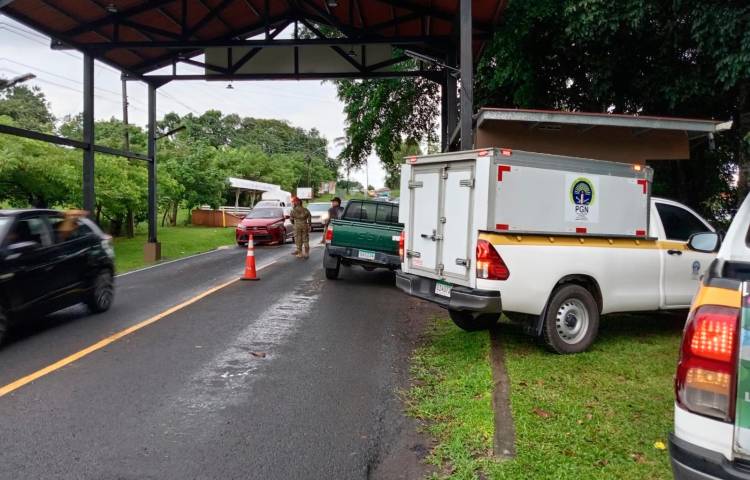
x=307 y=104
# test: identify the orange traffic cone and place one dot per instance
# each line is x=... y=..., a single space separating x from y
x=250 y=273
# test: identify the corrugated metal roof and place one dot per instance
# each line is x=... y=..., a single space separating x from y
x=84 y=23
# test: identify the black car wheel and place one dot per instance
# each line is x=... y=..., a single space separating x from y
x=3 y=325
x=102 y=292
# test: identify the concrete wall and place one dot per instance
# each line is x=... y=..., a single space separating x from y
x=618 y=144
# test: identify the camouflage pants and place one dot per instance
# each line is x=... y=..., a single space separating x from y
x=302 y=238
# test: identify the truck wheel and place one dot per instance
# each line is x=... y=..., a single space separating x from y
x=102 y=292
x=333 y=273
x=571 y=321
x=471 y=322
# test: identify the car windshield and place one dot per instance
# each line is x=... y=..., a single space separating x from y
x=318 y=207
x=266 y=213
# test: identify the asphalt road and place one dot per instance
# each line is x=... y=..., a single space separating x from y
x=290 y=377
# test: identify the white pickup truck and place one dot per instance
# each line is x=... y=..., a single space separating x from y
x=554 y=241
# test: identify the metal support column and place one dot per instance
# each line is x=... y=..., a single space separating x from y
x=467 y=76
x=452 y=88
x=152 y=250
x=444 y=127
x=89 y=198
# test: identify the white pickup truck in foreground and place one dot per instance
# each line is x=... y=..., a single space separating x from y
x=556 y=241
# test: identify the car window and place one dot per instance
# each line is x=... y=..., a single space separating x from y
x=28 y=230
x=4 y=223
x=265 y=213
x=387 y=213
x=65 y=229
x=318 y=207
x=679 y=223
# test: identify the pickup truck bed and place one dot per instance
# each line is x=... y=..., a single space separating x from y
x=368 y=235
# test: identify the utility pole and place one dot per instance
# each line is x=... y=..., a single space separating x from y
x=129 y=218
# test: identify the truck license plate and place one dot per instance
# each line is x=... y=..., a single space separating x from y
x=443 y=289
x=365 y=255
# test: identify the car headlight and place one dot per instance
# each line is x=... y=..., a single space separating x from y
x=241 y=227
x=107 y=247
x=277 y=224
x=324 y=217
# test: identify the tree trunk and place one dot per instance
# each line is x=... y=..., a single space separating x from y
x=130 y=224
x=98 y=214
x=164 y=217
x=173 y=220
x=115 y=226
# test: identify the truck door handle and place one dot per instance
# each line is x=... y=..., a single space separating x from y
x=434 y=237
x=674 y=252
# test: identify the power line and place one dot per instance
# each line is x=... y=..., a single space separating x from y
x=70 y=79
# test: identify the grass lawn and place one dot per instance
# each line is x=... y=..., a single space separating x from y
x=593 y=415
x=176 y=242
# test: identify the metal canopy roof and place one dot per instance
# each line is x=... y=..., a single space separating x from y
x=602 y=120
x=140 y=36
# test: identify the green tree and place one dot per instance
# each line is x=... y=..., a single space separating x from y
x=37 y=174
x=28 y=107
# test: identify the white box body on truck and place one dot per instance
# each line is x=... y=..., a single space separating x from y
x=551 y=240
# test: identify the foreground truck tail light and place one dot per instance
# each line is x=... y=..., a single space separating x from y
x=329 y=234
x=401 y=245
x=706 y=373
x=490 y=265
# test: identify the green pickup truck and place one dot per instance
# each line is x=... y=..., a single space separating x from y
x=367 y=234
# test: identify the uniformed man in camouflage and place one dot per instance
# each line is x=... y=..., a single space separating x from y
x=302 y=226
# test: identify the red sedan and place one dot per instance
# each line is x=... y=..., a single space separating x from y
x=266 y=225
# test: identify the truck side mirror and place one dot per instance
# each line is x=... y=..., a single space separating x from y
x=705 y=242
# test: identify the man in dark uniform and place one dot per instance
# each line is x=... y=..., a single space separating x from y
x=333 y=213
x=302 y=225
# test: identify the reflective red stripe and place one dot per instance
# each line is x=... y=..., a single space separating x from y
x=642 y=182
x=502 y=226
x=581 y=230
x=640 y=233
x=500 y=170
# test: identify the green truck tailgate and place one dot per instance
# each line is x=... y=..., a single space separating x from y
x=366 y=236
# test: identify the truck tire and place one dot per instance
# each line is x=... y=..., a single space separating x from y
x=102 y=293
x=472 y=322
x=571 y=320
x=333 y=273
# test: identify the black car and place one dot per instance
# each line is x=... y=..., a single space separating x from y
x=50 y=260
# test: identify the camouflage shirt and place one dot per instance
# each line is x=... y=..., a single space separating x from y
x=300 y=215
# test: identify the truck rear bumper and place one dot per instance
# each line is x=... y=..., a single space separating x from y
x=691 y=462
x=462 y=298
x=349 y=254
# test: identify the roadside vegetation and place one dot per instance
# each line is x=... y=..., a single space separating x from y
x=605 y=413
x=176 y=242
x=193 y=164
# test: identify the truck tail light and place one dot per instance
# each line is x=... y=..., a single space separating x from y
x=401 y=242
x=490 y=265
x=329 y=234
x=707 y=370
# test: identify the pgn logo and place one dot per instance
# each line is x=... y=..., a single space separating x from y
x=582 y=193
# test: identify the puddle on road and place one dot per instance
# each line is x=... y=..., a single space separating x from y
x=223 y=381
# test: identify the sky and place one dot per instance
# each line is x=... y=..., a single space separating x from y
x=306 y=104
